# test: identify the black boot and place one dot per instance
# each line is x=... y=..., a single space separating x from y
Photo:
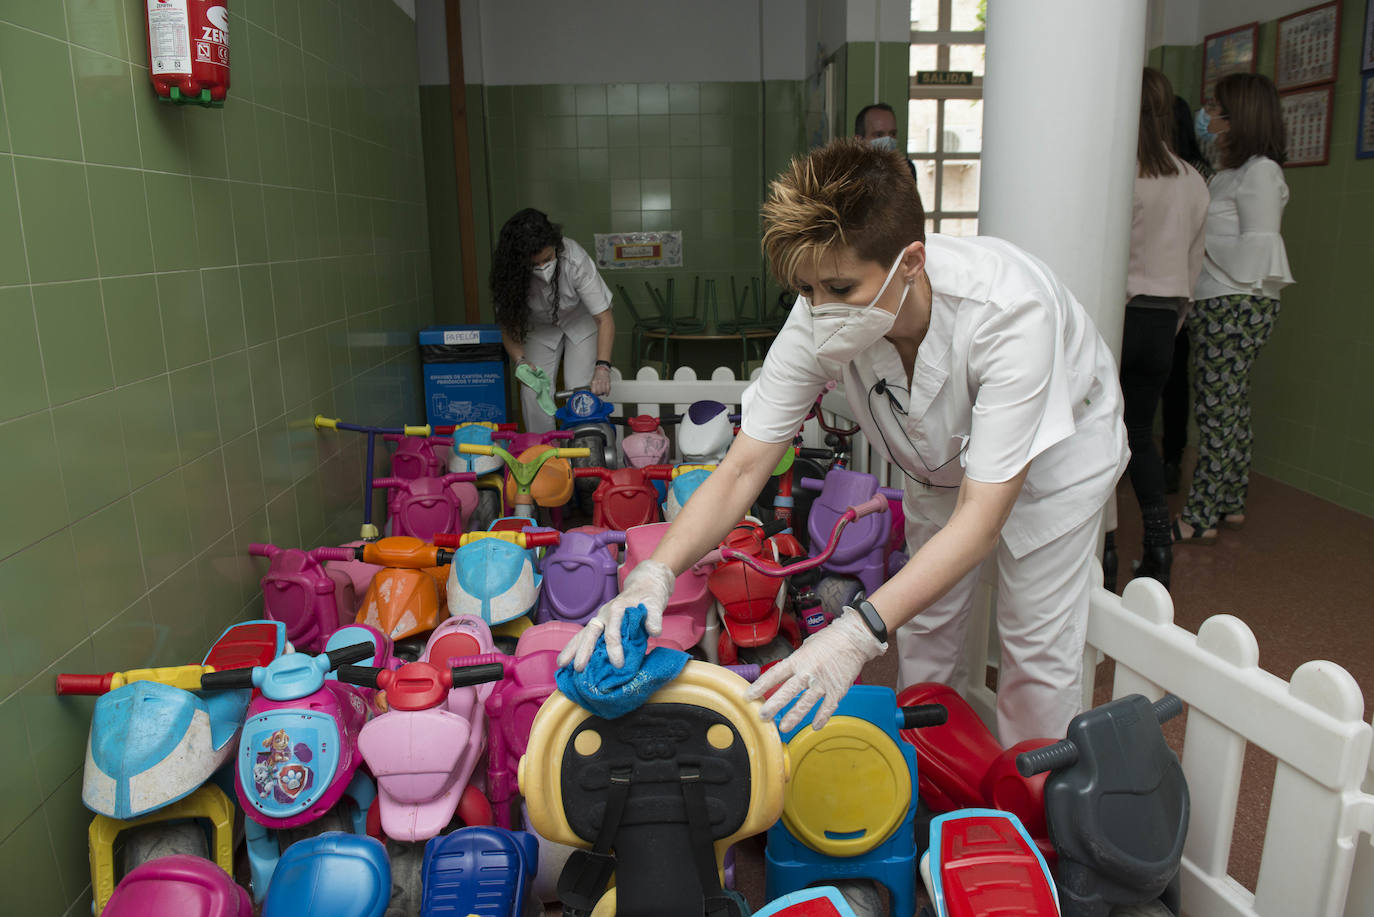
x=1109 y=563
x=1158 y=554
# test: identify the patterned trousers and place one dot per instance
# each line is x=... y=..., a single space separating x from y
x=1227 y=333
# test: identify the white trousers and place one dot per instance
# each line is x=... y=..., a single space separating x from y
x=1042 y=619
x=545 y=349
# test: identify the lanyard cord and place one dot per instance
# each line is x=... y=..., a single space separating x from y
x=881 y=388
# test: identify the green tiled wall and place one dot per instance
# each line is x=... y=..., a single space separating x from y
x=1311 y=402
x=181 y=289
x=617 y=157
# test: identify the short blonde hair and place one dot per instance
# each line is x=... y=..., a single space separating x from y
x=845 y=194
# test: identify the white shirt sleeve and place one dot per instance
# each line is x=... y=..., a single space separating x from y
x=1016 y=412
x=775 y=404
x=586 y=279
x=1257 y=255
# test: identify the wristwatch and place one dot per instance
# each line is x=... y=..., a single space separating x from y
x=605 y=363
x=869 y=615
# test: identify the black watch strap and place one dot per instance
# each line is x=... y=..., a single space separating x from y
x=869 y=615
x=605 y=363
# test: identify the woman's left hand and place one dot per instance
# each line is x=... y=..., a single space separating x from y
x=601 y=381
x=821 y=671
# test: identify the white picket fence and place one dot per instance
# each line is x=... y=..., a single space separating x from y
x=1318 y=857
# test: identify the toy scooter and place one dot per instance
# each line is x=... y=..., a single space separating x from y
x=579 y=576
x=626 y=497
x=646 y=443
x=1117 y=806
x=487 y=468
x=424 y=748
x=705 y=432
x=483 y=871
x=964 y=767
x=154 y=743
x=493 y=574
x=415 y=456
x=298 y=752
x=751 y=604
x=189 y=886
x=423 y=507
x=588 y=418
x=541 y=475
x=682 y=483
x=405 y=598
x=982 y=861
x=368 y=530
x=859 y=561
x=687 y=621
x=331 y=875
x=311 y=599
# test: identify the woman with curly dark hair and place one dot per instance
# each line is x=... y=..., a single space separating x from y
x=552 y=307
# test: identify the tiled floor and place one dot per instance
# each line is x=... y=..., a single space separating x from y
x=1292 y=574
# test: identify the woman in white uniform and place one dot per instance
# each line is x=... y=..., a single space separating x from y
x=552 y=307
x=977 y=373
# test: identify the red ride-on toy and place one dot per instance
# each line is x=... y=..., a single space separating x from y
x=626 y=496
x=963 y=766
x=752 y=604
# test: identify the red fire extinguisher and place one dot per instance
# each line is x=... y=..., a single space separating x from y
x=188 y=50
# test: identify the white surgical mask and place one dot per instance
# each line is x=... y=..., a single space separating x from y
x=841 y=332
x=545 y=271
x=884 y=143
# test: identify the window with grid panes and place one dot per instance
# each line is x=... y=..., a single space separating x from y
x=945 y=123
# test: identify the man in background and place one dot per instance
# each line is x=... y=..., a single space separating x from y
x=877 y=124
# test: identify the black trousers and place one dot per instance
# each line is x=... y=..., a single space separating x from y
x=1147 y=352
x=1177 y=404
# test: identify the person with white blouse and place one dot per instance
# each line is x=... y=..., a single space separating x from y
x=1169 y=208
x=553 y=307
x=1237 y=293
x=970 y=367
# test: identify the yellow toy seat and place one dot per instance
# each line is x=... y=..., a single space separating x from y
x=693 y=768
x=207 y=803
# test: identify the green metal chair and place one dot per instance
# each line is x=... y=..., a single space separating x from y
x=656 y=325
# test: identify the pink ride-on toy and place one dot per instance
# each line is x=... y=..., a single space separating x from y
x=415 y=456
x=179 y=884
x=423 y=507
x=687 y=621
x=424 y=748
x=311 y=599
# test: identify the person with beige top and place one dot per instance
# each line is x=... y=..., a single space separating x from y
x=1166 y=256
x=1237 y=296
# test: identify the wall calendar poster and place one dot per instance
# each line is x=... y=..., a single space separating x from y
x=1307 y=122
x=1308 y=47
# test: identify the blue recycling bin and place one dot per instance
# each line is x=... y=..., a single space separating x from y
x=465 y=373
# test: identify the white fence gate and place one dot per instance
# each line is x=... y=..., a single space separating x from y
x=1318 y=859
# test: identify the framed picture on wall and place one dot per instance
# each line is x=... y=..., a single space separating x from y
x=1232 y=51
x=1307 y=122
x=1367 y=59
x=1308 y=47
x=1364 y=128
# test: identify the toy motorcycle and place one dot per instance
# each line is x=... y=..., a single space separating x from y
x=311 y=599
x=405 y=597
x=705 y=432
x=752 y=604
x=298 y=751
x=331 y=875
x=687 y=621
x=858 y=563
x=626 y=497
x=540 y=476
x=179 y=884
x=579 y=576
x=588 y=418
x=423 y=507
x=493 y=574
x=683 y=482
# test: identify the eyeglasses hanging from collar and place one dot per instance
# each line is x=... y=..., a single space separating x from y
x=899 y=413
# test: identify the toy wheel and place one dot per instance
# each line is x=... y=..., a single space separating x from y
x=163 y=839
x=488 y=510
x=407 y=862
x=865 y=897
x=835 y=592
x=775 y=650
x=1154 y=908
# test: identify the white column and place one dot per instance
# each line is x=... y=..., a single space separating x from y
x=1061 y=106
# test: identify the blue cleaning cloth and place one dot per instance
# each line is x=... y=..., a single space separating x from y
x=609 y=692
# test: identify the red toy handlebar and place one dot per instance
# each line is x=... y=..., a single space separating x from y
x=84 y=684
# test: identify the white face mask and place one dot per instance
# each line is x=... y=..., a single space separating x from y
x=545 y=271
x=884 y=143
x=841 y=332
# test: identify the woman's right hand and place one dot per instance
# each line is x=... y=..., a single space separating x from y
x=649 y=584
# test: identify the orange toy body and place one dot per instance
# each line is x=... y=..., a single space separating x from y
x=552 y=486
x=408 y=595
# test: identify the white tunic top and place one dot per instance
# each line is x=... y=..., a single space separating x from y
x=1245 y=253
x=1011 y=372
x=581 y=294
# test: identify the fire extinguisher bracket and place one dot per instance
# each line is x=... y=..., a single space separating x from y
x=203 y=99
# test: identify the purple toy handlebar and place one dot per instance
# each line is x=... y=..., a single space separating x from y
x=890 y=493
x=875 y=504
